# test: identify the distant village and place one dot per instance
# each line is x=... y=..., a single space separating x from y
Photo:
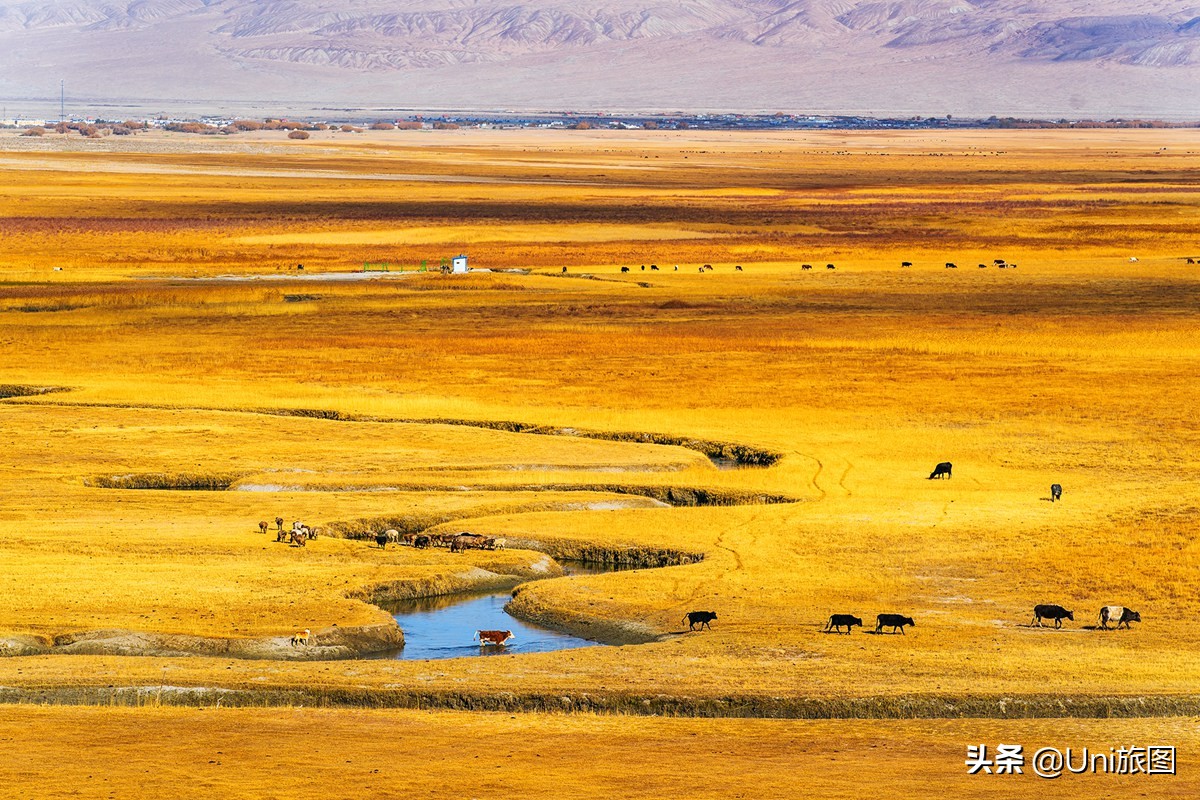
x=359 y=122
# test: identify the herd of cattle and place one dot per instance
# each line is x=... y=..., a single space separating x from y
x=299 y=534
x=1118 y=615
x=457 y=542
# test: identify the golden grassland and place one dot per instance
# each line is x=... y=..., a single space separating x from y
x=310 y=753
x=1078 y=367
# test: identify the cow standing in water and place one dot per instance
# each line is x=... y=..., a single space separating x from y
x=1055 y=492
x=942 y=469
x=497 y=638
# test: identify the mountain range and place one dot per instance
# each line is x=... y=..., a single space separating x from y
x=965 y=57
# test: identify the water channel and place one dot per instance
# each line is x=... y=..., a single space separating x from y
x=444 y=626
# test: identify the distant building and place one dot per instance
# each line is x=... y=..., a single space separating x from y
x=458 y=264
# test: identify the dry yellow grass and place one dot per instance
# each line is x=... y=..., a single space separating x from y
x=306 y=753
x=1078 y=367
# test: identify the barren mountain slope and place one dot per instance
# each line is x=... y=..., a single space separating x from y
x=959 y=56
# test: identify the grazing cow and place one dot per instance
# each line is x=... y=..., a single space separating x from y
x=1191 y=261
x=466 y=541
x=499 y=543
x=654 y=267
x=983 y=266
x=906 y=263
x=838 y=620
x=677 y=268
x=1055 y=492
x=1133 y=258
x=941 y=469
x=830 y=266
x=806 y=266
x=301 y=638
x=407 y=538
x=262 y=527
x=421 y=541
x=282 y=535
x=497 y=638
x=299 y=538
x=1012 y=266
x=279 y=523
x=951 y=265
x=1121 y=614
x=564 y=272
x=738 y=268
x=393 y=536
x=892 y=621
x=1050 y=611
x=997 y=261
x=624 y=269
x=381 y=539
x=701 y=618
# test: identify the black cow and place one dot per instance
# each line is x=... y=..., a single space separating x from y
x=1055 y=492
x=422 y=541
x=838 y=620
x=806 y=266
x=643 y=267
x=906 y=263
x=701 y=618
x=983 y=266
x=654 y=267
x=941 y=469
x=624 y=269
x=951 y=265
x=1049 y=611
x=1121 y=614
x=830 y=266
x=564 y=272
x=1191 y=261
x=892 y=621
x=737 y=268
x=381 y=540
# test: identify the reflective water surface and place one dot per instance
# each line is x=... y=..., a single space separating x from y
x=444 y=627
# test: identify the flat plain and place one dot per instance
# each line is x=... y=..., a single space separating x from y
x=202 y=382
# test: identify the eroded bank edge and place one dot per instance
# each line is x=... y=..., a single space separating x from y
x=732 y=452
x=911 y=706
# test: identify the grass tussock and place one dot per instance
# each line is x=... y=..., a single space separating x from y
x=186 y=481
x=17 y=390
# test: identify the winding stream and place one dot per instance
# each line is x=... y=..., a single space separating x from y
x=444 y=626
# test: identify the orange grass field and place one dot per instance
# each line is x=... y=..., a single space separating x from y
x=151 y=283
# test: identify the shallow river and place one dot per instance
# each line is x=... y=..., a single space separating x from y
x=444 y=627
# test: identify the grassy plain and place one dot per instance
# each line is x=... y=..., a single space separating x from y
x=1078 y=367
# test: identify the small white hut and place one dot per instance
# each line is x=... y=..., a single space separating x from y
x=458 y=264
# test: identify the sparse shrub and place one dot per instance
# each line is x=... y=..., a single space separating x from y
x=34 y=132
x=297 y=135
x=445 y=126
x=383 y=126
x=409 y=126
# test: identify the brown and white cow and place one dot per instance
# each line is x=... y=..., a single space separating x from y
x=1120 y=614
x=498 y=638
